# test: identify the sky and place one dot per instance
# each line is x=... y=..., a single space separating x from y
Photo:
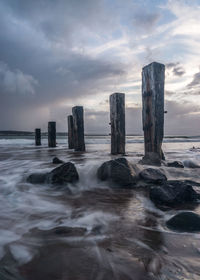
x=58 y=54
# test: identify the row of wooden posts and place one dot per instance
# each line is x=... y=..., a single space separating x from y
x=153 y=76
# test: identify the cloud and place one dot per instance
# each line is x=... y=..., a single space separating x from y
x=16 y=82
x=195 y=82
x=175 y=68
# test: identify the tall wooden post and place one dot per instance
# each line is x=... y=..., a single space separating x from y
x=78 y=121
x=153 y=79
x=70 y=132
x=37 y=137
x=117 y=121
x=52 y=134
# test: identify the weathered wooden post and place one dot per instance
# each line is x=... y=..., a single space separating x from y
x=52 y=134
x=37 y=137
x=153 y=79
x=70 y=132
x=117 y=122
x=78 y=122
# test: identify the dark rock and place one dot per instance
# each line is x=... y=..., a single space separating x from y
x=65 y=173
x=151 y=175
x=173 y=193
x=37 y=178
x=184 y=222
x=69 y=231
x=119 y=171
x=191 y=164
x=177 y=164
x=63 y=231
x=56 y=160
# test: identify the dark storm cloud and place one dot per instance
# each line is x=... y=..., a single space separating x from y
x=37 y=39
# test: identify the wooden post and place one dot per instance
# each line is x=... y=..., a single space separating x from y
x=117 y=121
x=78 y=122
x=70 y=132
x=52 y=134
x=37 y=137
x=153 y=79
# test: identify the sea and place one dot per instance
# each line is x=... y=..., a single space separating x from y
x=91 y=230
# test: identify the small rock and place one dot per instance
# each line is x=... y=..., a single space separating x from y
x=37 y=178
x=173 y=193
x=69 y=231
x=65 y=173
x=184 y=222
x=151 y=175
x=177 y=164
x=119 y=171
x=56 y=160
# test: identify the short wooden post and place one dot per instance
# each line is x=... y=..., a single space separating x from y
x=153 y=79
x=117 y=122
x=70 y=132
x=52 y=134
x=78 y=122
x=37 y=137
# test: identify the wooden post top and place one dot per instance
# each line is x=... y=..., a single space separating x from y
x=77 y=107
x=153 y=64
x=118 y=93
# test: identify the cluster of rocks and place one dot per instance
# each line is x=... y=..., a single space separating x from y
x=121 y=173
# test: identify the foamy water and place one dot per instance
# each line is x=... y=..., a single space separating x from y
x=116 y=233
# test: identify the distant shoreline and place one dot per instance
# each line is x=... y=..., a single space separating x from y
x=29 y=133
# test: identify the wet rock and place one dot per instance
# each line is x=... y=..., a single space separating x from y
x=65 y=173
x=173 y=193
x=151 y=175
x=119 y=171
x=191 y=164
x=177 y=164
x=63 y=231
x=184 y=222
x=37 y=178
x=56 y=160
x=69 y=231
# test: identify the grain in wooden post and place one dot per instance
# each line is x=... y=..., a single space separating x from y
x=37 y=137
x=70 y=132
x=78 y=121
x=153 y=79
x=117 y=122
x=52 y=134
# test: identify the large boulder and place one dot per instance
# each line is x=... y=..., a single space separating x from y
x=65 y=173
x=119 y=171
x=177 y=164
x=152 y=176
x=184 y=222
x=173 y=193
